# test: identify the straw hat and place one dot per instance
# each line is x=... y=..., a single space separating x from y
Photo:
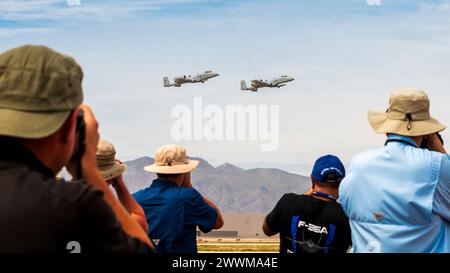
x=39 y=88
x=172 y=159
x=107 y=164
x=408 y=115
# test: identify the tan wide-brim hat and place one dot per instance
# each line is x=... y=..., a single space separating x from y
x=408 y=115
x=39 y=88
x=107 y=164
x=172 y=159
x=113 y=171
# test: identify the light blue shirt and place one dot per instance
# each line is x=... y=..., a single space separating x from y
x=398 y=199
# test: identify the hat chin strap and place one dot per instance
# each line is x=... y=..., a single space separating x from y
x=171 y=163
x=408 y=116
x=402 y=115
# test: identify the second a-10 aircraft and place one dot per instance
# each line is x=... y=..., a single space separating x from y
x=276 y=82
x=203 y=77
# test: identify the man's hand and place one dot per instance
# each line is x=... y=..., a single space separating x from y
x=88 y=161
x=91 y=141
x=187 y=181
x=435 y=144
x=117 y=183
x=92 y=135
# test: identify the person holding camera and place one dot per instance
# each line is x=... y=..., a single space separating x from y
x=398 y=197
x=44 y=127
x=174 y=207
x=111 y=170
x=312 y=222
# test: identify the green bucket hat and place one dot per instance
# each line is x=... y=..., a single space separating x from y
x=39 y=88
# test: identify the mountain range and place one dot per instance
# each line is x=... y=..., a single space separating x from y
x=233 y=189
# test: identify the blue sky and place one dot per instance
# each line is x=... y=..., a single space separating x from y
x=346 y=57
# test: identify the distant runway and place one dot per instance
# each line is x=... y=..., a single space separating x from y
x=239 y=245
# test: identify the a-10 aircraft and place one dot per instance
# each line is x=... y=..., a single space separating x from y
x=201 y=77
x=276 y=82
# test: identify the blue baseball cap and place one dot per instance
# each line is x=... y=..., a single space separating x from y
x=328 y=169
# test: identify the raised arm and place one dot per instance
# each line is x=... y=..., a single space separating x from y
x=93 y=177
x=219 y=222
x=136 y=211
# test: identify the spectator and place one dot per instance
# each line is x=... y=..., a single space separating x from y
x=312 y=222
x=111 y=170
x=40 y=125
x=173 y=207
x=398 y=196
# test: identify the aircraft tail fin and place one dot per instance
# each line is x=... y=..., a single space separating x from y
x=243 y=85
x=166 y=82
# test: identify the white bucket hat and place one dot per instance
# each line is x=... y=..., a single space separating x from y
x=408 y=115
x=172 y=159
x=107 y=164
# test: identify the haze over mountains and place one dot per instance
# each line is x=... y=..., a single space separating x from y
x=232 y=188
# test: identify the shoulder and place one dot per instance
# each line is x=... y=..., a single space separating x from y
x=336 y=207
x=73 y=191
x=145 y=193
x=444 y=172
x=363 y=158
x=360 y=164
x=446 y=163
x=46 y=187
x=427 y=154
x=59 y=189
x=64 y=198
x=290 y=198
x=426 y=161
x=78 y=196
x=139 y=194
x=189 y=194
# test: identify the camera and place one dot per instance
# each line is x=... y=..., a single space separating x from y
x=80 y=145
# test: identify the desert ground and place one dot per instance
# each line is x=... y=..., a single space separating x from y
x=241 y=245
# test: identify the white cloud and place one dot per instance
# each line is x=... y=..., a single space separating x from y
x=426 y=7
x=17 y=10
x=7 y=32
x=442 y=7
x=374 y=2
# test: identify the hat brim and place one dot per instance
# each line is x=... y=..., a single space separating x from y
x=114 y=171
x=174 y=169
x=382 y=124
x=32 y=125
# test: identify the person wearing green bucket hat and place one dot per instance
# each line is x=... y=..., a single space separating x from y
x=44 y=127
x=111 y=170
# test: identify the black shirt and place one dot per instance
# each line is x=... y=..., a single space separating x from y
x=310 y=225
x=39 y=213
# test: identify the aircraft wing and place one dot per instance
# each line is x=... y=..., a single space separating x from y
x=259 y=83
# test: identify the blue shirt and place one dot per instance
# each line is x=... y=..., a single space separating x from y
x=398 y=199
x=173 y=214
